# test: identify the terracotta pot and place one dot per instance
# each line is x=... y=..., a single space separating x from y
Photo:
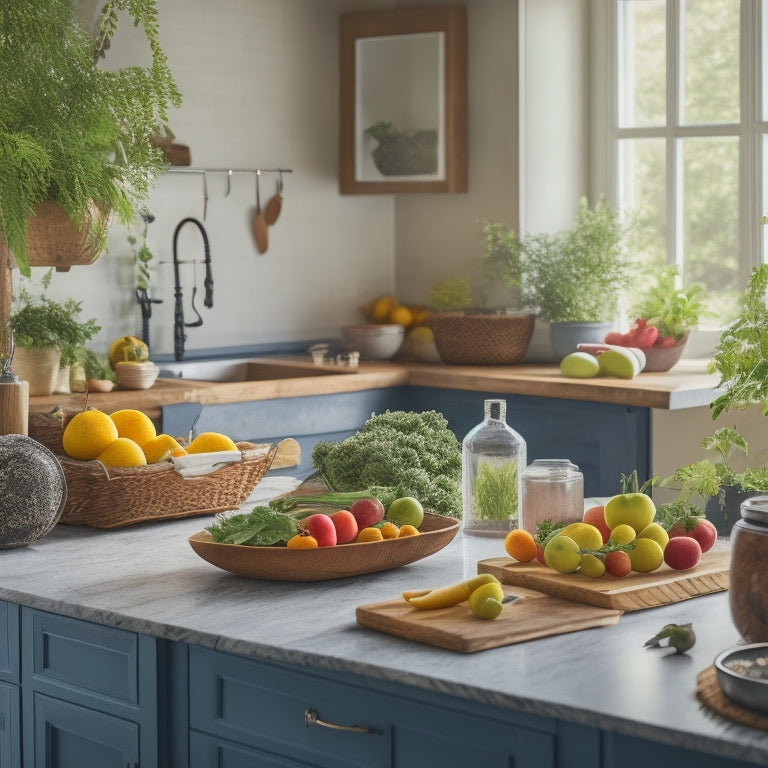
x=40 y=367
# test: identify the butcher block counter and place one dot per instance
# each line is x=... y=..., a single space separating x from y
x=686 y=386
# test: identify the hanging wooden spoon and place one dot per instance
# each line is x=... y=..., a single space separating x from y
x=259 y=223
x=275 y=203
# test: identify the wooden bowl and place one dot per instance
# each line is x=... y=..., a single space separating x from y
x=282 y=564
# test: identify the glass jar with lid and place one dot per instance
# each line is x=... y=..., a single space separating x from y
x=493 y=458
x=553 y=489
x=747 y=592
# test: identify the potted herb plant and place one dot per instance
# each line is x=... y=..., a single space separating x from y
x=713 y=488
x=41 y=329
x=75 y=137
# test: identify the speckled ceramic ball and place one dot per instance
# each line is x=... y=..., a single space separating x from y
x=33 y=491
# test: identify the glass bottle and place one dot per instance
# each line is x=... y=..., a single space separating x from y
x=493 y=459
x=553 y=489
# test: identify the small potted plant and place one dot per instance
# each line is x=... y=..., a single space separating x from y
x=574 y=278
x=41 y=329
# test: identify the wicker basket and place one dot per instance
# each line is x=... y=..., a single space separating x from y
x=481 y=338
x=113 y=497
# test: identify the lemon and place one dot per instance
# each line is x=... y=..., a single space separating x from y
x=127 y=348
x=161 y=448
x=485 y=601
x=134 y=424
x=381 y=309
x=87 y=434
x=207 y=442
x=401 y=316
x=122 y=452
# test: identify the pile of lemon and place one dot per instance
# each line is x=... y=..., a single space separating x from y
x=128 y=438
x=387 y=309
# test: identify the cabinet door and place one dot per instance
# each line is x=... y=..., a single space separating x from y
x=10 y=727
x=9 y=642
x=67 y=736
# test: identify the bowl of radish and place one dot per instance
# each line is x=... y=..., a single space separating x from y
x=661 y=352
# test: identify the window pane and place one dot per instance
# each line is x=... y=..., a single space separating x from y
x=763 y=57
x=642 y=171
x=711 y=62
x=642 y=63
x=710 y=218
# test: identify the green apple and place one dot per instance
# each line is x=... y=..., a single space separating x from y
x=406 y=511
x=580 y=365
x=618 y=362
x=634 y=509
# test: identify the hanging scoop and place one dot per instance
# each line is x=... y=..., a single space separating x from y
x=275 y=203
x=259 y=222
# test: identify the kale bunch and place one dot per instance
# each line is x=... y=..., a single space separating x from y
x=413 y=454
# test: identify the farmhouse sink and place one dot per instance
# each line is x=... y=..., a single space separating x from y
x=248 y=369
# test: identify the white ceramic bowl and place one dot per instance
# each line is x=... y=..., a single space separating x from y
x=374 y=341
x=136 y=375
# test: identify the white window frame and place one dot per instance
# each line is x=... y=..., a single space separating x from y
x=606 y=133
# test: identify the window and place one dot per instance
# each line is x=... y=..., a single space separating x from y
x=688 y=135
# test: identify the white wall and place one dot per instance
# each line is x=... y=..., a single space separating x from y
x=260 y=86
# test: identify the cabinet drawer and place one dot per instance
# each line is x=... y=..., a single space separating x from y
x=78 y=656
x=9 y=642
x=262 y=706
x=211 y=752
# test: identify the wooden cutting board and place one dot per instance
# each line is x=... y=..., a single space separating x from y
x=532 y=616
x=628 y=593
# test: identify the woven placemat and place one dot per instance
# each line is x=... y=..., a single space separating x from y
x=709 y=693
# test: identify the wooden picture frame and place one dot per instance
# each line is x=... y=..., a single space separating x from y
x=403 y=101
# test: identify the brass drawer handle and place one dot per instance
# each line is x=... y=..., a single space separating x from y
x=312 y=718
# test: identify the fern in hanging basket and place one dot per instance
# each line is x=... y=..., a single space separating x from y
x=72 y=131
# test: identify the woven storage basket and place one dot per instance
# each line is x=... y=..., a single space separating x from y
x=113 y=497
x=480 y=338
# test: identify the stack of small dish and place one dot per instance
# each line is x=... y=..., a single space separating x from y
x=136 y=375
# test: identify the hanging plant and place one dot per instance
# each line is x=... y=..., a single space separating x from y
x=72 y=131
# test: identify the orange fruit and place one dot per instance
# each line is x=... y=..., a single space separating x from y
x=520 y=545
x=381 y=309
x=87 y=434
x=390 y=530
x=369 y=534
x=134 y=425
x=408 y=530
x=302 y=541
x=122 y=452
x=207 y=442
x=161 y=448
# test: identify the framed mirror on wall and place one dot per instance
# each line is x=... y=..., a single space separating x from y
x=403 y=100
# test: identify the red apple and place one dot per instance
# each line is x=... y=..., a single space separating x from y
x=682 y=553
x=367 y=512
x=702 y=530
x=596 y=516
x=346 y=526
x=321 y=528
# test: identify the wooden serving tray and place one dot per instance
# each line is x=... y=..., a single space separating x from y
x=628 y=593
x=532 y=616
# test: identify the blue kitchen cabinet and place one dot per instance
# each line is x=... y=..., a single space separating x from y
x=90 y=694
x=604 y=440
x=10 y=720
x=244 y=710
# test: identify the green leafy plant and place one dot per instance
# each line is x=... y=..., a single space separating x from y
x=39 y=321
x=72 y=131
x=674 y=311
x=741 y=355
x=495 y=493
x=704 y=480
x=95 y=365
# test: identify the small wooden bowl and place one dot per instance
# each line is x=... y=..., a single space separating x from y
x=136 y=375
x=282 y=564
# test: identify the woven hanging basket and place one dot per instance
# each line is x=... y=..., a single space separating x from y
x=54 y=241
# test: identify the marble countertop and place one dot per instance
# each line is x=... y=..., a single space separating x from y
x=146 y=578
